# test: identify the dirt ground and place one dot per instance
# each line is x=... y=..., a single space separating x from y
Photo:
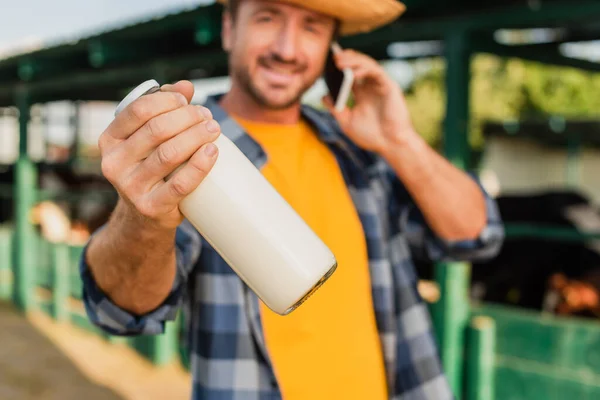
x=40 y=359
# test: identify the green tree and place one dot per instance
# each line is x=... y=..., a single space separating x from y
x=504 y=89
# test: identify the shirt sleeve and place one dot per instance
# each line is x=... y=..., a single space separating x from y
x=426 y=245
x=109 y=317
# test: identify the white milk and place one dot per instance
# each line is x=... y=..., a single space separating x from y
x=255 y=230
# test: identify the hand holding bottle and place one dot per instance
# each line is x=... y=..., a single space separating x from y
x=148 y=140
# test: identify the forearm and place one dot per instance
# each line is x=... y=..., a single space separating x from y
x=451 y=202
x=132 y=262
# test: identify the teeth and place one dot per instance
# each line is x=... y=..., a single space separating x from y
x=281 y=71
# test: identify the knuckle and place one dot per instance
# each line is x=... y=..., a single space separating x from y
x=156 y=128
x=193 y=113
x=179 y=187
x=102 y=142
x=141 y=110
x=201 y=163
x=145 y=208
x=129 y=187
x=177 y=99
x=166 y=154
x=107 y=166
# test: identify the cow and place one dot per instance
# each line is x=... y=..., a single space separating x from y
x=83 y=201
x=537 y=273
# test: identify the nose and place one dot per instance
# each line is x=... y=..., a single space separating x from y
x=286 y=44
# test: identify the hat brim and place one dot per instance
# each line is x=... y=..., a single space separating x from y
x=355 y=16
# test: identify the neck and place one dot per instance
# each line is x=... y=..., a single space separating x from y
x=240 y=103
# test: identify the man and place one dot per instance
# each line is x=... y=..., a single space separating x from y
x=362 y=178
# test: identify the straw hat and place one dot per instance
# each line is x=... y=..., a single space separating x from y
x=355 y=16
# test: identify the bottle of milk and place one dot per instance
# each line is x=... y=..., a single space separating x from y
x=253 y=228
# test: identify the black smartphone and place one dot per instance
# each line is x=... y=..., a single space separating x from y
x=339 y=83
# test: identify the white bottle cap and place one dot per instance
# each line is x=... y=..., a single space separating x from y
x=150 y=86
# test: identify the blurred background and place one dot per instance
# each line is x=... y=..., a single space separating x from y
x=507 y=89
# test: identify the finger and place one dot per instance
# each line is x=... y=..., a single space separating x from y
x=160 y=129
x=351 y=59
x=135 y=115
x=186 y=88
x=187 y=179
x=364 y=72
x=327 y=102
x=342 y=117
x=367 y=79
x=363 y=68
x=174 y=152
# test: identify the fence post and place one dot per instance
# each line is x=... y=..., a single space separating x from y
x=458 y=51
x=159 y=349
x=25 y=196
x=450 y=316
x=166 y=345
x=6 y=259
x=481 y=353
x=60 y=281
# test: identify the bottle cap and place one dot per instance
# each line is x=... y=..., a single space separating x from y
x=148 y=87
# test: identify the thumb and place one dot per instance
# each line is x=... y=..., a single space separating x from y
x=342 y=117
x=186 y=88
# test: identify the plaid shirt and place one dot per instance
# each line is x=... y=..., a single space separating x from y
x=228 y=354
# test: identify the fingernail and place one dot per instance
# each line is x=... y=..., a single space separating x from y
x=210 y=149
x=212 y=126
x=205 y=112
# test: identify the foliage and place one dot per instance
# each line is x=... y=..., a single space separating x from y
x=505 y=89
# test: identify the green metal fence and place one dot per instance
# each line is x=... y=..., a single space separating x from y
x=488 y=351
x=508 y=353
x=58 y=291
x=54 y=287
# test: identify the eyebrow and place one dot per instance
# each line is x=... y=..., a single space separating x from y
x=267 y=8
x=311 y=18
x=319 y=19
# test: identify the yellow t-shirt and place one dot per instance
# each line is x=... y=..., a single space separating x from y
x=329 y=347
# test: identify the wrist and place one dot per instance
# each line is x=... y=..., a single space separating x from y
x=407 y=140
x=130 y=223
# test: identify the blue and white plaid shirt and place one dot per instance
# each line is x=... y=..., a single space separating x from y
x=229 y=360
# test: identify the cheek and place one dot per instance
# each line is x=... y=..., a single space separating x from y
x=241 y=47
x=316 y=53
x=316 y=64
x=246 y=53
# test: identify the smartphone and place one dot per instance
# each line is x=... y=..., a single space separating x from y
x=339 y=82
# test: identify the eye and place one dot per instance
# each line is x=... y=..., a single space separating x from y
x=312 y=28
x=264 y=18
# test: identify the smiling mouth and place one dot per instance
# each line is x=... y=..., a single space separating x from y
x=278 y=76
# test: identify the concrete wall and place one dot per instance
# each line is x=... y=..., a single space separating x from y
x=523 y=165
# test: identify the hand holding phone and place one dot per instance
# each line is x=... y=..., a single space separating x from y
x=339 y=82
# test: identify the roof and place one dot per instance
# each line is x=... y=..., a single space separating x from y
x=185 y=44
x=32 y=46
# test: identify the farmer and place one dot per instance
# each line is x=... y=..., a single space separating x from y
x=362 y=178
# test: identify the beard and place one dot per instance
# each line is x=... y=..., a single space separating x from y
x=243 y=78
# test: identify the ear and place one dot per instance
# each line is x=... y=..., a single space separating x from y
x=226 y=31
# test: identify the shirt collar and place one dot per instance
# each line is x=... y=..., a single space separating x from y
x=325 y=126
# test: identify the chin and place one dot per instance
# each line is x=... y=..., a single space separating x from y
x=281 y=101
x=280 y=104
